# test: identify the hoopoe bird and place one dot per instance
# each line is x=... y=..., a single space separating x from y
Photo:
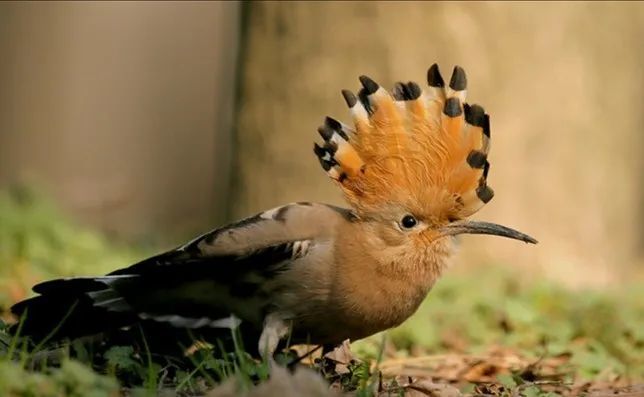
x=413 y=168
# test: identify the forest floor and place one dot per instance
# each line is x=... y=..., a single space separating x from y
x=487 y=333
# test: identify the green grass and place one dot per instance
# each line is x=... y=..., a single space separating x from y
x=601 y=332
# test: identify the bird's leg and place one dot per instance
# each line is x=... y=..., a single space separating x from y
x=274 y=330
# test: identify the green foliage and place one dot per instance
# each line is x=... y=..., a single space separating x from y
x=37 y=242
x=122 y=362
x=359 y=376
x=5 y=339
x=71 y=379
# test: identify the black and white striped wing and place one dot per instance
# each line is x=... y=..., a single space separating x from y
x=214 y=281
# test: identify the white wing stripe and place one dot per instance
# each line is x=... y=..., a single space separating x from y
x=190 y=322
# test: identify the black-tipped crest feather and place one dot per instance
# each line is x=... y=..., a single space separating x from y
x=458 y=131
x=434 y=78
x=414 y=90
x=458 y=82
x=349 y=98
x=452 y=107
x=325 y=132
x=369 y=85
x=364 y=100
x=474 y=115
x=476 y=159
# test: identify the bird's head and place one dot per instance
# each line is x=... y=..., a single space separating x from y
x=415 y=161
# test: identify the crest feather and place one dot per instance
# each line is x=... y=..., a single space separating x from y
x=411 y=145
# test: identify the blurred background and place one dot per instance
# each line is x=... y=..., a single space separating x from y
x=155 y=121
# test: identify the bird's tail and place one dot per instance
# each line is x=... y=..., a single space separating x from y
x=69 y=308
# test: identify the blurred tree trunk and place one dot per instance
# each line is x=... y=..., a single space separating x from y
x=562 y=82
x=122 y=110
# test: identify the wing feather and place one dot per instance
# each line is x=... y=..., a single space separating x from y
x=227 y=271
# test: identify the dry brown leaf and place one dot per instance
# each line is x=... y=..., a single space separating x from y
x=342 y=354
x=483 y=372
x=428 y=388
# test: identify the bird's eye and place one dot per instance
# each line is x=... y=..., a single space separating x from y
x=408 y=222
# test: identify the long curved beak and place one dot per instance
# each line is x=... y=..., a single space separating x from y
x=477 y=227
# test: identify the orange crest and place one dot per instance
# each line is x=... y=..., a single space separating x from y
x=425 y=150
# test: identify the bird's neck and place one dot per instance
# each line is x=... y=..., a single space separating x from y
x=384 y=284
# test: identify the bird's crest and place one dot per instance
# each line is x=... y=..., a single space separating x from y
x=419 y=147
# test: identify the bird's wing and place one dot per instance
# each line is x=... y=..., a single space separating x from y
x=201 y=283
x=286 y=224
